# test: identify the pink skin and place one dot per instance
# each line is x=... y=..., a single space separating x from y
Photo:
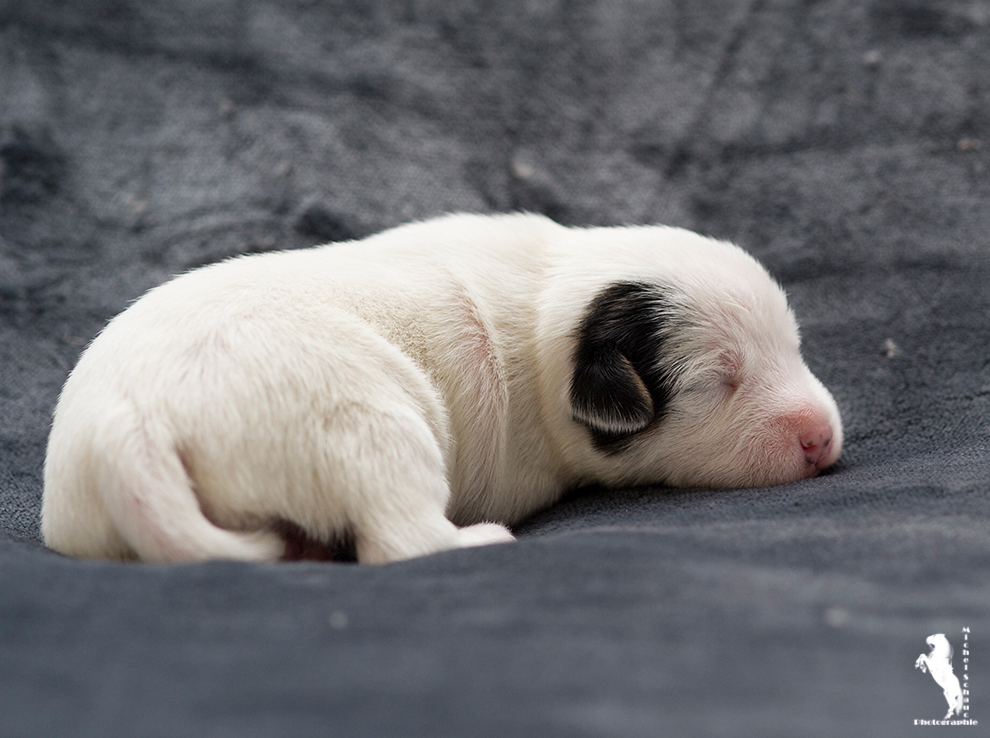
x=816 y=442
x=796 y=444
x=814 y=433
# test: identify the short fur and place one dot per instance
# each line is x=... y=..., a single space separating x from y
x=423 y=388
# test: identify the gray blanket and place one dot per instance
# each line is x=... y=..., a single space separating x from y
x=845 y=144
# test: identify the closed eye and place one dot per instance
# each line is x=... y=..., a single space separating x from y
x=716 y=387
x=730 y=370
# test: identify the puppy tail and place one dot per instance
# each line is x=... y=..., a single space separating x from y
x=150 y=498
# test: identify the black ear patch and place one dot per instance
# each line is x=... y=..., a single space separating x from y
x=622 y=382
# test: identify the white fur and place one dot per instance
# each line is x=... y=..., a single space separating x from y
x=399 y=387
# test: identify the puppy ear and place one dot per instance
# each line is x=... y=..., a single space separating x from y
x=608 y=395
x=621 y=382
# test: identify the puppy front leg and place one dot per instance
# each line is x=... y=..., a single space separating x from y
x=397 y=489
x=429 y=533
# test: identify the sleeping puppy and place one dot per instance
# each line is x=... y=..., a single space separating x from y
x=421 y=389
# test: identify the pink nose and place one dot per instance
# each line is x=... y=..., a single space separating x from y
x=817 y=445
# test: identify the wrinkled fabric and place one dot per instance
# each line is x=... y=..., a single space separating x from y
x=845 y=144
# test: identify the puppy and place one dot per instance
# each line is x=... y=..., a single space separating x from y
x=421 y=389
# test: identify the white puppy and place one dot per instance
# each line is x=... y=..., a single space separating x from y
x=460 y=372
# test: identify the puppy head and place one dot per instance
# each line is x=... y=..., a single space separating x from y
x=695 y=378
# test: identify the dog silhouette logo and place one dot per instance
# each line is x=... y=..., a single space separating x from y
x=938 y=663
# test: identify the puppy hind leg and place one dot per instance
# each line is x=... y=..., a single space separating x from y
x=150 y=498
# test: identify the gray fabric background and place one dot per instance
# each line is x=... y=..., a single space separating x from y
x=844 y=143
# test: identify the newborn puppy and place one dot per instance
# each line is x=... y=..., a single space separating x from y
x=418 y=390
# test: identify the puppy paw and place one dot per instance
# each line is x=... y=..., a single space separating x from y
x=484 y=534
